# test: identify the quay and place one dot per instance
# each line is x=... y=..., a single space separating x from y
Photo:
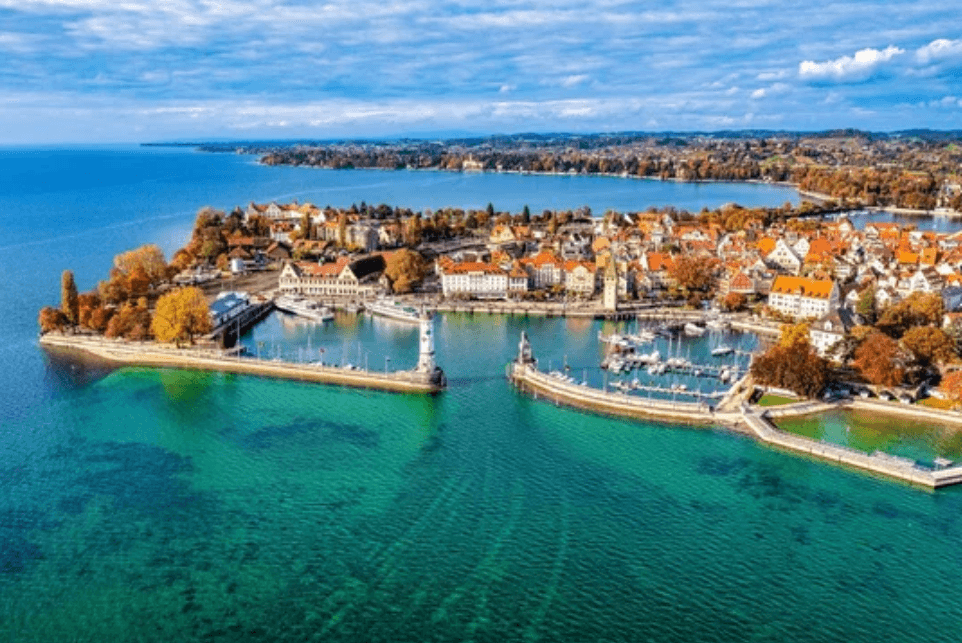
x=427 y=378
x=733 y=413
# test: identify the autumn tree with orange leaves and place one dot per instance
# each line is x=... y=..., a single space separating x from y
x=879 y=360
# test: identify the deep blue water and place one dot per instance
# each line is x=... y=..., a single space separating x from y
x=166 y=505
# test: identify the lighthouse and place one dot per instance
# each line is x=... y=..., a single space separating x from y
x=426 y=353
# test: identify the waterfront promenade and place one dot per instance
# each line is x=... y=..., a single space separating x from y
x=150 y=354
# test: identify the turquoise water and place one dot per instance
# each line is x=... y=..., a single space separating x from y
x=167 y=505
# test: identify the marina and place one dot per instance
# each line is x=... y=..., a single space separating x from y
x=733 y=411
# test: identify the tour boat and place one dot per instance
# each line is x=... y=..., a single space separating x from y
x=304 y=308
x=694 y=330
x=394 y=310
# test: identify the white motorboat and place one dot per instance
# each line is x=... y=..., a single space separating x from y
x=304 y=308
x=694 y=330
x=722 y=349
x=394 y=310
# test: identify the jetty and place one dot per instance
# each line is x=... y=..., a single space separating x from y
x=426 y=378
x=523 y=373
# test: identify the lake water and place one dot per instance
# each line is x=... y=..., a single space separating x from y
x=167 y=505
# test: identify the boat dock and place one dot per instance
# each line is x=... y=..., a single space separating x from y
x=151 y=354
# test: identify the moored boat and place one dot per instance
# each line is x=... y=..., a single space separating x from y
x=394 y=310
x=304 y=308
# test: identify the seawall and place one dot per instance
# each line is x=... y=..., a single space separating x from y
x=527 y=378
x=149 y=354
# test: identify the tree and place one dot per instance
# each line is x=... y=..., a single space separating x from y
x=866 y=304
x=929 y=345
x=490 y=210
x=114 y=290
x=87 y=302
x=526 y=215
x=694 y=273
x=100 y=318
x=405 y=268
x=132 y=321
x=952 y=385
x=138 y=281
x=69 y=304
x=52 y=319
x=735 y=301
x=181 y=315
x=879 y=360
x=792 y=364
x=342 y=229
x=147 y=260
x=918 y=309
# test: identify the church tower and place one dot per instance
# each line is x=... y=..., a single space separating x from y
x=426 y=353
x=611 y=285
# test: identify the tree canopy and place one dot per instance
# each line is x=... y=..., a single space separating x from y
x=181 y=315
x=69 y=304
x=694 y=273
x=146 y=262
x=792 y=363
x=918 y=309
x=879 y=360
x=405 y=268
x=929 y=345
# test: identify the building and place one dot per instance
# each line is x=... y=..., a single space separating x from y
x=228 y=306
x=827 y=331
x=802 y=298
x=580 y=277
x=357 y=278
x=784 y=257
x=611 y=285
x=474 y=278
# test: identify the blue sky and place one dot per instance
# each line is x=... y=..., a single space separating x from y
x=139 y=70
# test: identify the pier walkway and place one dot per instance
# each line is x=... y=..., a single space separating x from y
x=524 y=373
x=157 y=355
x=878 y=462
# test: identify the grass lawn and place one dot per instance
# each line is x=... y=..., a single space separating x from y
x=936 y=403
x=775 y=400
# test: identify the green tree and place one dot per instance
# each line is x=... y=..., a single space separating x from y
x=69 y=303
x=181 y=315
x=866 y=304
x=526 y=215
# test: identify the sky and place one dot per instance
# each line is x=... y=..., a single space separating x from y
x=98 y=71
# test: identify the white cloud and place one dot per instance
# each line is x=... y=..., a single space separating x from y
x=758 y=93
x=940 y=49
x=506 y=88
x=772 y=75
x=573 y=80
x=846 y=68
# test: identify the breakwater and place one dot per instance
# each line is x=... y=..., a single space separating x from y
x=528 y=378
x=524 y=374
x=150 y=354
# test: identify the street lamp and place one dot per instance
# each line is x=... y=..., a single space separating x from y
x=387 y=360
